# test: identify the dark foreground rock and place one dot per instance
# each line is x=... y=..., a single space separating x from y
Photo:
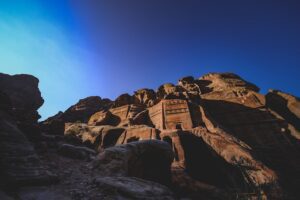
x=19 y=162
x=76 y=152
x=132 y=188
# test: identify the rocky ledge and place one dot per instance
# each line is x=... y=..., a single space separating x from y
x=215 y=137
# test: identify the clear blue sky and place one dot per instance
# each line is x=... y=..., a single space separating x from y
x=107 y=47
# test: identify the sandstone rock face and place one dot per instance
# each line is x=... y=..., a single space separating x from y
x=123 y=99
x=136 y=133
x=97 y=137
x=171 y=114
x=217 y=126
x=129 y=115
x=247 y=117
x=100 y=118
x=286 y=105
x=228 y=81
x=170 y=91
x=145 y=96
x=215 y=137
x=80 y=112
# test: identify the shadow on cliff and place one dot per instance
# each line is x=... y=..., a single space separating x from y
x=267 y=135
x=280 y=105
x=204 y=164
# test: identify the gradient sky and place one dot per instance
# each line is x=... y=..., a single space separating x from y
x=79 y=48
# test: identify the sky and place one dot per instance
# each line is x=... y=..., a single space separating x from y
x=80 y=48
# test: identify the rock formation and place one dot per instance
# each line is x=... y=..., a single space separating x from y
x=19 y=163
x=80 y=112
x=215 y=137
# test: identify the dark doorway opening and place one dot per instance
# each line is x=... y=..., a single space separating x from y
x=179 y=126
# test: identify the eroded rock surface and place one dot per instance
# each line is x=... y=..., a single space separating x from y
x=19 y=163
x=287 y=106
x=80 y=112
x=215 y=137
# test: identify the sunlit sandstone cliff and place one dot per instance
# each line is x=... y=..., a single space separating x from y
x=222 y=139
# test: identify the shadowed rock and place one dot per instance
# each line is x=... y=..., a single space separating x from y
x=286 y=105
x=19 y=163
x=76 y=152
x=132 y=188
x=148 y=159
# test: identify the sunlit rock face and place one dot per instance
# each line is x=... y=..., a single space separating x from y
x=80 y=112
x=215 y=137
x=216 y=125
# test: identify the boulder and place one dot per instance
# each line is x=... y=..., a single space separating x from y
x=147 y=159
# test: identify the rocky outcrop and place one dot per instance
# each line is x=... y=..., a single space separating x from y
x=85 y=108
x=25 y=98
x=287 y=106
x=80 y=112
x=19 y=162
x=24 y=95
x=97 y=137
x=221 y=117
x=246 y=116
x=101 y=118
x=145 y=96
x=123 y=99
x=215 y=137
x=228 y=81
